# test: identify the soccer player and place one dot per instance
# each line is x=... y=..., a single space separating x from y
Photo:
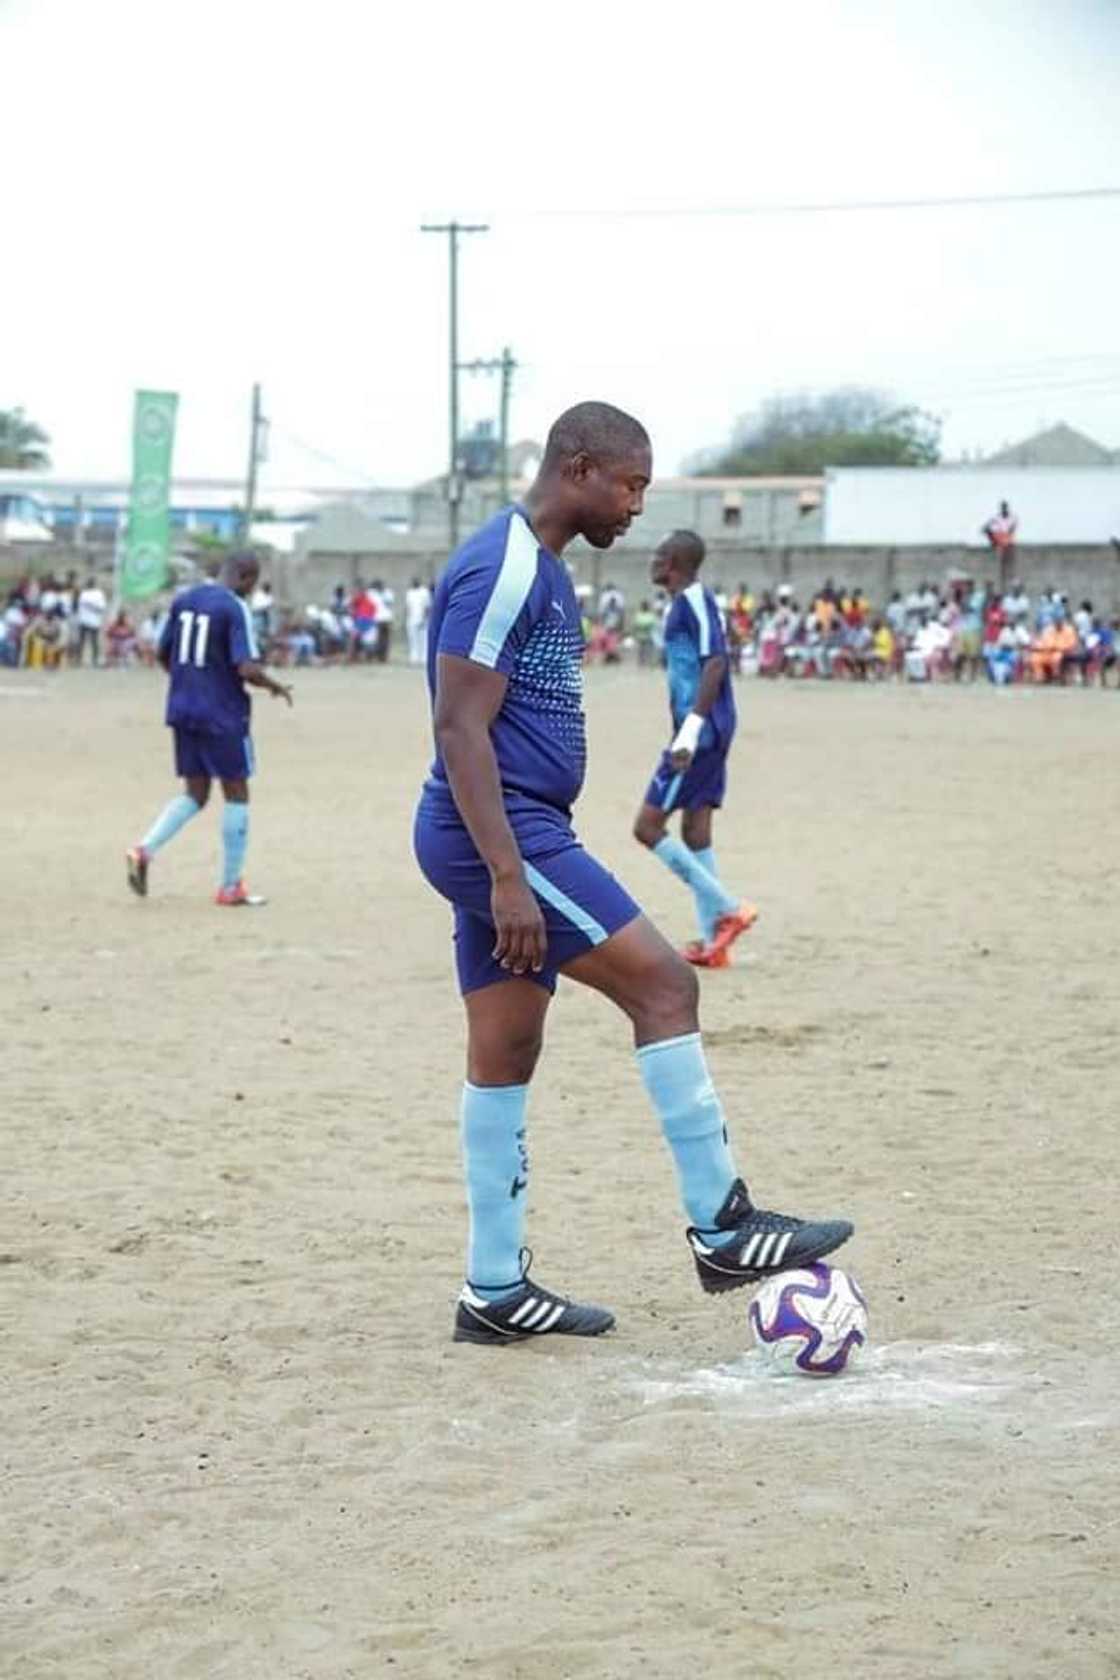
x=692 y=775
x=209 y=650
x=493 y=834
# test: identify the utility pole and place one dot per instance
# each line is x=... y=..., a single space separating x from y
x=508 y=365
x=453 y=230
x=503 y=364
x=258 y=427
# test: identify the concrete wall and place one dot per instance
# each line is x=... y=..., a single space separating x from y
x=1080 y=571
x=765 y=511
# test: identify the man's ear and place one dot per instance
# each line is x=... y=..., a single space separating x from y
x=579 y=466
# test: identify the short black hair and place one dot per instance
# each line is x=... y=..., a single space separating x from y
x=240 y=564
x=596 y=429
x=685 y=547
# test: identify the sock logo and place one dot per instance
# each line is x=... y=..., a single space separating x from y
x=521 y=1176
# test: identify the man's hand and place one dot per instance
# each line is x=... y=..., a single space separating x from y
x=522 y=941
x=683 y=750
x=284 y=689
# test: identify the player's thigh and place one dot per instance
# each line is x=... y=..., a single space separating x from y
x=650 y=823
x=696 y=828
x=505 y=1026
x=643 y=976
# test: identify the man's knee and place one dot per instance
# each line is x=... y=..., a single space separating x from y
x=649 y=826
x=668 y=1002
x=678 y=985
x=506 y=1058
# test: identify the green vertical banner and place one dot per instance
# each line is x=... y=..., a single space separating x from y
x=147 y=547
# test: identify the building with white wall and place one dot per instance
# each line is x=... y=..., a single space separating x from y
x=920 y=506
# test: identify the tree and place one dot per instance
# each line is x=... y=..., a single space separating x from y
x=805 y=433
x=21 y=441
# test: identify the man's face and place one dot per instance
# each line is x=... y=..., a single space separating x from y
x=247 y=581
x=609 y=494
x=661 y=569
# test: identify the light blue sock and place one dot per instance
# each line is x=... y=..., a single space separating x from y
x=170 y=820
x=235 y=838
x=712 y=899
x=675 y=1074
x=496 y=1164
x=706 y=857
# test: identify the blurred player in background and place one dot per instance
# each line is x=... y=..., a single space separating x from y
x=692 y=775
x=209 y=650
x=494 y=835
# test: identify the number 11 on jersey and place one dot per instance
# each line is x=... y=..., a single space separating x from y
x=199 y=625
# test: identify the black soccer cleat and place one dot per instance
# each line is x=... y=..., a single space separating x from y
x=533 y=1311
x=764 y=1243
x=136 y=866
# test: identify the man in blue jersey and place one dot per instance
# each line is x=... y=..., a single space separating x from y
x=493 y=835
x=209 y=650
x=692 y=775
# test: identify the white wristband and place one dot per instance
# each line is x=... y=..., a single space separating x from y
x=688 y=735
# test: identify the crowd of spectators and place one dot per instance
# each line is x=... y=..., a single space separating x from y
x=961 y=632
x=50 y=622
x=355 y=627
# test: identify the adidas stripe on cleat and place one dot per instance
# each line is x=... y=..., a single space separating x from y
x=532 y=1311
x=762 y=1243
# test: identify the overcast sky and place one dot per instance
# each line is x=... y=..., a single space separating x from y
x=201 y=193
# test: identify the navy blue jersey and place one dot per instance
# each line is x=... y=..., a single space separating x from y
x=507 y=603
x=693 y=635
x=208 y=634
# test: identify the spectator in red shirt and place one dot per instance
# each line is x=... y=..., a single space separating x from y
x=363 y=612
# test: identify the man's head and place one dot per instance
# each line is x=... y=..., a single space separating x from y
x=241 y=571
x=676 y=561
x=599 y=460
x=1004 y=509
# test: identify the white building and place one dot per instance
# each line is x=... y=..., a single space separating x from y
x=920 y=506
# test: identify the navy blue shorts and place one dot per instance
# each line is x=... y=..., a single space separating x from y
x=226 y=758
x=703 y=783
x=582 y=902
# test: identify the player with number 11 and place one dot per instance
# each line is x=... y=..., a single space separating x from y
x=209 y=651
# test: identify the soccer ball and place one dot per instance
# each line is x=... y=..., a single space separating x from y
x=812 y=1320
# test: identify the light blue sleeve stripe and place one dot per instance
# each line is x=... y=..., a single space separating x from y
x=516 y=577
x=254 y=650
x=694 y=595
x=544 y=888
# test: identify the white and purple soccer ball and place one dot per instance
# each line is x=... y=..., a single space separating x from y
x=812 y=1320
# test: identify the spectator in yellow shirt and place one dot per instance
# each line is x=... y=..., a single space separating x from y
x=882 y=648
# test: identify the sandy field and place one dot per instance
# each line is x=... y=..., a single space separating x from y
x=238 y=1443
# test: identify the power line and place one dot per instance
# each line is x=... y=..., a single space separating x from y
x=825 y=207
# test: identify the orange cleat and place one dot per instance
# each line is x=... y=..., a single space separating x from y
x=704 y=956
x=239 y=897
x=730 y=926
